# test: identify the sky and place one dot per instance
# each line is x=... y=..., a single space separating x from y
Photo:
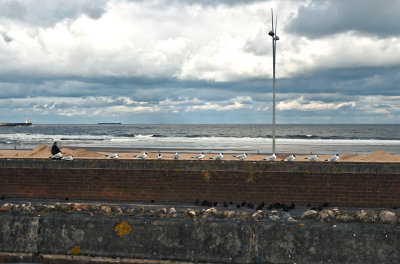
x=199 y=61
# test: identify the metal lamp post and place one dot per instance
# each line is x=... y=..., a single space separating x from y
x=272 y=33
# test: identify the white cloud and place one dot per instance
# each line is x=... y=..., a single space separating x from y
x=301 y=104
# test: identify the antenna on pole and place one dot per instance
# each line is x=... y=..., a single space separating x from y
x=272 y=33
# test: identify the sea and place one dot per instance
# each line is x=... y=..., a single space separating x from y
x=299 y=139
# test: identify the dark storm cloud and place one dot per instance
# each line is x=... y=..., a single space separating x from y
x=50 y=12
x=347 y=81
x=350 y=82
x=322 y=17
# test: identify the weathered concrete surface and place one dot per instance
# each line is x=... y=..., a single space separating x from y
x=19 y=233
x=211 y=165
x=214 y=241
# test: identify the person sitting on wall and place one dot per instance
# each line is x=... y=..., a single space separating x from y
x=55 y=152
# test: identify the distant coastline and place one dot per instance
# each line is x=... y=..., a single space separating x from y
x=109 y=123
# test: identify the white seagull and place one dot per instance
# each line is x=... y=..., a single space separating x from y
x=113 y=156
x=142 y=156
x=241 y=156
x=199 y=157
x=159 y=156
x=57 y=156
x=312 y=158
x=271 y=158
x=290 y=158
x=176 y=156
x=68 y=158
x=220 y=156
x=333 y=158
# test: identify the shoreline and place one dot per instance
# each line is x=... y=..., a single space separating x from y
x=43 y=151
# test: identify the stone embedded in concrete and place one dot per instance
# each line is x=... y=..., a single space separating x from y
x=309 y=214
x=387 y=217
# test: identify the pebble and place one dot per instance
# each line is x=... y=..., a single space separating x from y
x=105 y=210
x=256 y=216
x=387 y=217
x=6 y=207
x=274 y=217
x=286 y=216
x=191 y=213
x=309 y=214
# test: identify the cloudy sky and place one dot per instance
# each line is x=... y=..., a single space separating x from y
x=199 y=61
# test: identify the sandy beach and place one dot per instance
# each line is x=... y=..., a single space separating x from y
x=43 y=151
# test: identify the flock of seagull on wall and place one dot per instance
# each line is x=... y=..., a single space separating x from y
x=220 y=156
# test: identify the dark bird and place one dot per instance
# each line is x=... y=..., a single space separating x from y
x=243 y=203
x=260 y=206
x=291 y=206
x=313 y=208
x=230 y=202
x=325 y=204
x=308 y=205
x=319 y=208
x=250 y=205
x=66 y=198
x=394 y=207
x=269 y=207
x=277 y=206
x=197 y=202
x=285 y=207
x=215 y=203
x=152 y=201
x=2 y=197
x=204 y=203
x=225 y=204
x=237 y=205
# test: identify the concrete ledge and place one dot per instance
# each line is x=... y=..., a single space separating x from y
x=215 y=241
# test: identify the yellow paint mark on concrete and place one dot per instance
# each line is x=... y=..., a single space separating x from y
x=176 y=170
x=301 y=224
x=123 y=229
x=206 y=176
x=75 y=251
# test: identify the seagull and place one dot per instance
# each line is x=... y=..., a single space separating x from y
x=333 y=158
x=68 y=158
x=142 y=156
x=113 y=156
x=176 y=156
x=241 y=156
x=220 y=156
x=159 y=156
x=199 y=157
x=57 y=156
x=312 y=158
x=290 y=158
x=271 y=158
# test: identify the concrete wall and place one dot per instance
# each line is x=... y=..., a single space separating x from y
x=45 y=238
x=340 y=184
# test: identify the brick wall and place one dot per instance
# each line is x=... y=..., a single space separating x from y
x=298 y=185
